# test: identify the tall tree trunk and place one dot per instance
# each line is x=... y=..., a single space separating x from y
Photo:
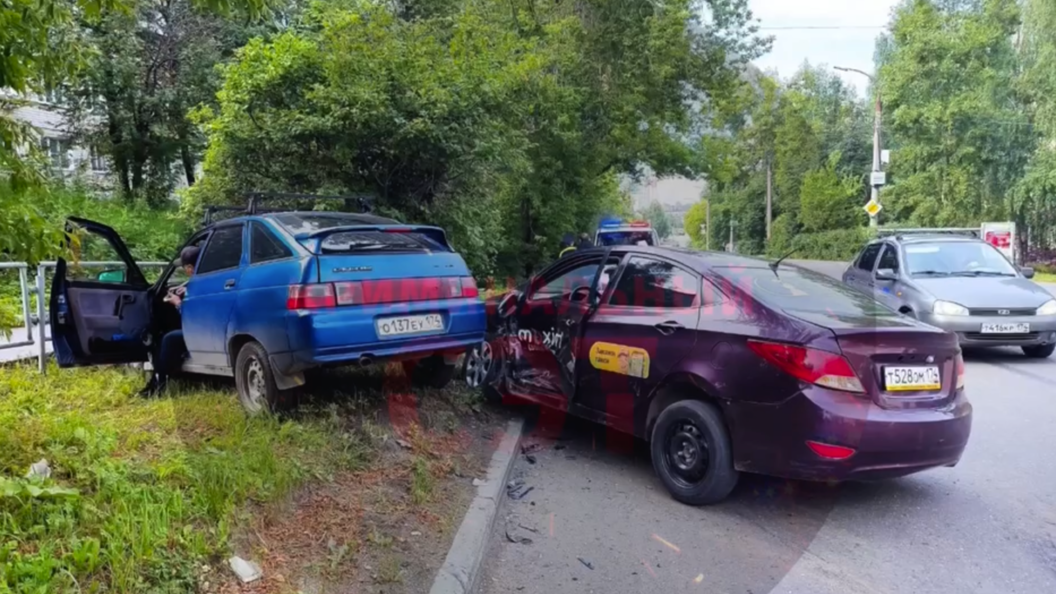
x=188 y=162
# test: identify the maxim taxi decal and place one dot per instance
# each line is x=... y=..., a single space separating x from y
x=619 y=358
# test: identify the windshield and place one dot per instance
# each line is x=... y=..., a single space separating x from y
x=625 y=238
x=956 y=258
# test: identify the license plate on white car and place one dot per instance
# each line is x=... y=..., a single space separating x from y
x=912 y=379
x=400 y=325
x=1020 y=328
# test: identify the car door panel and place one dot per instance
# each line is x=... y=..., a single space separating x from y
x=94 y=321
x=211 y=296
x=888 y=292
x=548 y=322
x=641 y=334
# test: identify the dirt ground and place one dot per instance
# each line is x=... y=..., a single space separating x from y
x=385 y=528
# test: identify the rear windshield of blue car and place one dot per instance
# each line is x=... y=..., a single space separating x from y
x=365 y=240
x=796 y=289
x=378 y=241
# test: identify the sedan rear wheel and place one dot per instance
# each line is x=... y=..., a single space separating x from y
x=692 y=454
x=478 y=364
x=1039 y=351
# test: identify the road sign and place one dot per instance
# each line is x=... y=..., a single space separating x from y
x=873 y=207
x=885 y=157
x=878 y=178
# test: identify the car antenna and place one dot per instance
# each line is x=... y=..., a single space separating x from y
x=773 y=265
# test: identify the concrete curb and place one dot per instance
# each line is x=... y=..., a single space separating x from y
x=459 y=573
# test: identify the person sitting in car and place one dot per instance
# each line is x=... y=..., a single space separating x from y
x=172 y=349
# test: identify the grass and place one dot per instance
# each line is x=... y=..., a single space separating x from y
x=1045 y=277
x=142 y=492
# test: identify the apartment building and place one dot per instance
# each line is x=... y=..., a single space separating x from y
x=67 y=159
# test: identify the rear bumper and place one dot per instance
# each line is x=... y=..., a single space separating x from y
x=771 y=439
x=343 y=335
x=968 y=329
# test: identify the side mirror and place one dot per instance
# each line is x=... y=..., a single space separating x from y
x=111 y=276
x=1026 y=271
x=886 y=274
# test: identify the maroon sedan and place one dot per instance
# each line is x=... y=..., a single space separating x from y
x=728 y=364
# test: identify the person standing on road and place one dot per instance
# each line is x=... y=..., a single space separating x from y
x=172 y=349
x=584 y=242
x=567 y=245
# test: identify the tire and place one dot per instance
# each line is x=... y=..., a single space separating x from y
x=431 y=372
x=696 y=426
x=1039 y=351
x=479 y=369
x=255 y=381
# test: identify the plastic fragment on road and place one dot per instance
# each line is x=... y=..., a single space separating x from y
x=667 y=544
x=247 y=571
x=586 y=563
x=698 y=579
x=39 y=469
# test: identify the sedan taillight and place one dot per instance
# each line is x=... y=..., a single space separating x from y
x=959 y=370
x=813 y=366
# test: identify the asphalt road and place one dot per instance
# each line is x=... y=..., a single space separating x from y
x=987 y=525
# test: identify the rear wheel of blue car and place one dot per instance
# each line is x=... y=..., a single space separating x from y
x=692 y=454
x=255 y=380
x=431 y=372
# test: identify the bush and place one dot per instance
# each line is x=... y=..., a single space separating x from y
x=839 y=244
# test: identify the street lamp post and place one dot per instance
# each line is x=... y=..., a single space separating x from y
x=877 y=118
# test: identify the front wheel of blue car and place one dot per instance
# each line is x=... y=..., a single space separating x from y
x=255 y=380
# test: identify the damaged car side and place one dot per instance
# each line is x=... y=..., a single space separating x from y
x=726 y=364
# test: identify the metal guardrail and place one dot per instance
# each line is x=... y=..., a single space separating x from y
x=40 y=291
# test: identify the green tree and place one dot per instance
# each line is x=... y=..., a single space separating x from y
x=1034 y=198
x=654 y=213
x=829 y=202
x=42 y=51
x=508 y=124
x=960 y=135
x=694 y=219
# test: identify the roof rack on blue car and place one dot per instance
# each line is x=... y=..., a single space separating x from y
x=362 y=203
x=908 y=232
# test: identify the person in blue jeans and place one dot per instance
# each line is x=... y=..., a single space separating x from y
x=172 y=350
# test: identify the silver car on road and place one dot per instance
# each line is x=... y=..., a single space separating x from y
x=960 y=284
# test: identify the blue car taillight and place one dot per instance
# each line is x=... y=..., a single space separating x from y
x=313 y=296
x=376 y=292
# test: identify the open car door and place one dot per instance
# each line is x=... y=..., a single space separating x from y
x=99 y=306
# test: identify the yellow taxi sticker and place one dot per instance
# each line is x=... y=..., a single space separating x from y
x=621 y=359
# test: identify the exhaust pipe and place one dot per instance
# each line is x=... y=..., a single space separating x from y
x=365 y=361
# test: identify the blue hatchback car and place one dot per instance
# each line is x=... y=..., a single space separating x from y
x=274 y=295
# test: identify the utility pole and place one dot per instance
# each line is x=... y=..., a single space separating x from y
x=874 y=193
x=769 y=198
